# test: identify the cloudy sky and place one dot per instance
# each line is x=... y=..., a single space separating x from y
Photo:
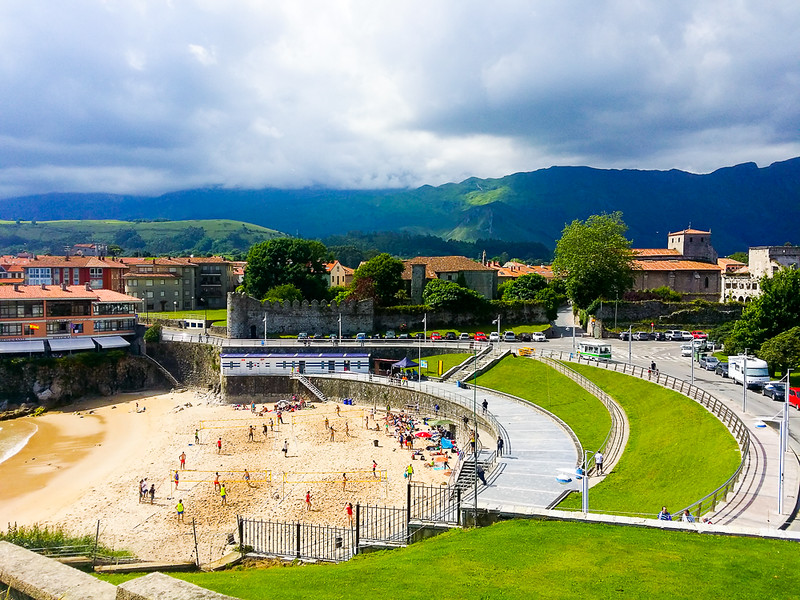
x=140 y=96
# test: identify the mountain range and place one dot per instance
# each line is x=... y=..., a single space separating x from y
x=742 y=205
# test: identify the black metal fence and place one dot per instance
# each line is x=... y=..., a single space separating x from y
x=297 y=540
x=426 y=505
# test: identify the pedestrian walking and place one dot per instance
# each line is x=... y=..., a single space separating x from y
x=265 y=430
x=308 y=500
x=197 y=436
x=344 y=481
x=179 y=510
x=481 y=474
x=500 y=444
x=250 y=434
x=223 y=494
x=332 y=432
x=436 y=409
x=176 y=478
x=285 y=448
x=327 y=424
x=219 y=446
x=152 y=493
x=664 y=514
x=141 y=486
x=247 y=478
x=271 y=424
x=216 y=482
x=337 y=411
x=374 y=466
x=409 y=473
x=183 y=460
x=485 y=405
x=598 y=460
x=347 y=429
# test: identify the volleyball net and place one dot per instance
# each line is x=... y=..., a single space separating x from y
x=228 y=476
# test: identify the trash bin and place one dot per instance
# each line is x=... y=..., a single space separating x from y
x=375 y=442
x=458 y=384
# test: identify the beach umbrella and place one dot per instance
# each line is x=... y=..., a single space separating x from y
x=423 y=434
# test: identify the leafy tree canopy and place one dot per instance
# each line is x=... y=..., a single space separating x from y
x=283 y=261
x=524 y=287
x=776 y=310
x=742 y=257
x=385 y=273
x=595 y=258
x=448 y=295
x=782 y=351
x=284 y=292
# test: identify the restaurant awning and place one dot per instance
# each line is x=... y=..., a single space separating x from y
x=26 y=346
x=62 y=344
x=112 y=341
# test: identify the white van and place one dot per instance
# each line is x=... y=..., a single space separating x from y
x=757 y=371
x=686 y=349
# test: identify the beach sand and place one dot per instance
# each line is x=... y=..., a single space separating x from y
x=86 y=461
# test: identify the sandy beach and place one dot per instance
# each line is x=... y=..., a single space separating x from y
x=85 y=463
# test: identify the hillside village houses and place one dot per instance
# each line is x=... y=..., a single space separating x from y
x=338 y=274
x=471 y=274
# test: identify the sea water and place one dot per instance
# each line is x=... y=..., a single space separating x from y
x=14 y=434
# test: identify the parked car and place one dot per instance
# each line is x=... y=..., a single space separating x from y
x=302 y=335
x=642 y=336
x=538 y=336
x=699 y=335
x=794 y=397
x=376 y=336
x=391 y=335
x=419 y=335
x=524 y=337
x=480 y=336
x=686 y=349
x=623 y=335
x=464 y=336
x=436 y=335
x=403 y=336
x=450 y=335
x=658 y=336
x=775 y=390
x=687 y=336
x=722 y=369
x=709 y=363
x=494 y=337
x=673 y=335
x=509 y=336
x=361 y=336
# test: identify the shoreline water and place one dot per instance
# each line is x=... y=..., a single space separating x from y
x=14 y=435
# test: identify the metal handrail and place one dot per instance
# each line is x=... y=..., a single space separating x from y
x=715 y=406
x=612 y=445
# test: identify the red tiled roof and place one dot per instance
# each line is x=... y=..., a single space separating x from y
x=443 y=264
x=655 y=252
x=674 y=265
x=63 y=261
x=55 y=292
x=691 y=231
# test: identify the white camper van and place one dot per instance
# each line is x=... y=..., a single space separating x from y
x=757 y=370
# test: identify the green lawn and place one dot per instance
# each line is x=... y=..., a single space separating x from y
x=677 y=451
x=449 y=361
x=536 y=559
x=536 y=382
x=217 y=315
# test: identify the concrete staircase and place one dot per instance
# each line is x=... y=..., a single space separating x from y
x=467 y=474
x=310 y=386
x=464 y=371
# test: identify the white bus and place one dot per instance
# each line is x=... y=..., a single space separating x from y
x=595 y=349
x=757 y=371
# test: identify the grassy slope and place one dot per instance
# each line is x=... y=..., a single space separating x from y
x=449 y=361
x=533 y=559
x=677 y=451
x=545 y=387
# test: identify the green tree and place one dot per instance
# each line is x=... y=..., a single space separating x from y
x=782 y=351
x=742 y=257
x=525 y=287
x=448 y=295
x=776 y=310
x=285 y=260
x=386 y=272
x=595 y=258
x=284 y=292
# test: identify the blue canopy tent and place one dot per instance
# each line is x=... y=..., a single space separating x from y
x=406 y=363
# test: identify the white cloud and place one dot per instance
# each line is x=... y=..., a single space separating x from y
x=146 y=96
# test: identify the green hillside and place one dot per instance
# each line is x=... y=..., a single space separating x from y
x=219 y=236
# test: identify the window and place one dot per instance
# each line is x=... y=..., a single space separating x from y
x=133 y=283
x=150 y=295
x=149 y=283
x=57 y=327
x=706 y=282
x=39 y=276
x=10 y=329
x=76 y=278
x=162 y=293
x=176 y=293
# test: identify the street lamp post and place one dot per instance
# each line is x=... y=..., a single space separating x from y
x=265 y=327
x=475 y=420
x=340 y=328
x=630 y=344
x=585 y=483
x=783 y=444
x=205 y=313
x=744 y=382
